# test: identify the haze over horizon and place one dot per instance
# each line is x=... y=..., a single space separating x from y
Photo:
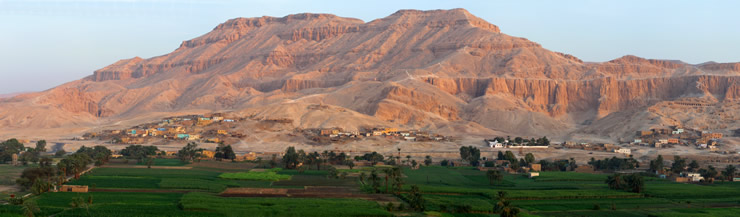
x=50 y=42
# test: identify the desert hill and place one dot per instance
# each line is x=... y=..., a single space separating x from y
x=440 y=70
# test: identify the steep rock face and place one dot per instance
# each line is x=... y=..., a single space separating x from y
x=417 y=100
x=608 y=94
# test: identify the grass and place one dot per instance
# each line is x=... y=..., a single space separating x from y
x=269 y=175
x=184 y=183
x=8 y=173
x=233 y=206
x=117 y=182
x=476 y=203
x=313 y=180
x=165 y=162
x=113 y=204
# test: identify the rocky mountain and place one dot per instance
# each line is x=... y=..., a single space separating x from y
x=440 y=70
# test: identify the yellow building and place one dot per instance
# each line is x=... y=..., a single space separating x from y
x=73 y=188
x=207 y=154
x=390 y=130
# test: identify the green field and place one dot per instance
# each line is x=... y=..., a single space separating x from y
x=269 y=175
x=447 y=191
x=8 y=173
x=281 y=206
x=165 y=162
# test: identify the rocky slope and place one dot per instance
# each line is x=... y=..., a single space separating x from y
x=441 y=69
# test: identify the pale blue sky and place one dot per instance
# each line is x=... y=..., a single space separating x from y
x=44 y=43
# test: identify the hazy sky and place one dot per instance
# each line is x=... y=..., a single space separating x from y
x=44 y=43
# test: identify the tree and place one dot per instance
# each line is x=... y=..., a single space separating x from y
x=729 y=172
x=416 y=201
x=374 y=157
x=414 y=163
x=529 y=158
x=678 y=165
x=657 y=164
x=470 y=154
x=510 y=156
x=189 y=152
x=444 y=163
x=8 y=148
x=45 y=162
x=635 y=183
x=494 y=176
x=290 y=158
x=225 y=152
x=503 y=207
x=40 y=146
x=350 y=164
x=139 y=152
x=501 y=156
x=60 y=153
x=427 y=160
x=693 y=166
x=149 y=162
x=615 y=181
x=709 y=174
x=30 y=208
x=375 y=181
x=333 y=173
x=572 y=164
x=397 y=180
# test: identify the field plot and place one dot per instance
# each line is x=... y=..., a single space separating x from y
x=165 y=162
x=281 y=206
x=115 y=204
x=268 y=175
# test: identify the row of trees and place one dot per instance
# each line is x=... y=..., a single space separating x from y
x=679 y=165
x=614 y=163
x=292 y=158
x=521 y=141
x=40 y=179
x=632 y=183
x=26 y=154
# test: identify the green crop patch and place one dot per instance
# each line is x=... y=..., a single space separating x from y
x=181 y=183
x=94 y=181
x=232 y=206
x=165 y=162
x=268 y=175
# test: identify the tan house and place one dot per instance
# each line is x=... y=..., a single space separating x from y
x=585 y=169
x=73 y=188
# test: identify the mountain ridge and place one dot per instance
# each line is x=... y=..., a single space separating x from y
x=413 y=69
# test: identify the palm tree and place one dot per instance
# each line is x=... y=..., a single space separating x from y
x=503 y=207
x=362 y=178
x=635 y=183
x=729 y=172
x=615 y=181
x=388 y=173
x=29 y=208
x=375 y=180
x=397 y=180
x=494 y=176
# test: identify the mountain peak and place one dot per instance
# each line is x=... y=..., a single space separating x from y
x=441 y=17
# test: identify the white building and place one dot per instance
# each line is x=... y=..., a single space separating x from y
x=495 y=144
x=694 y=177
x=625 y=151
